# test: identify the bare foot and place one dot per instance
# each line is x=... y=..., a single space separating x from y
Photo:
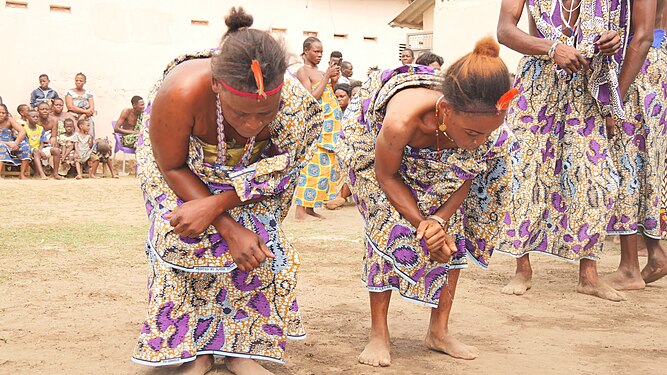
x=519 y=284
x=376 y=353
x=450 y=345
x=335 y=203
x=654 y=270
x=600 y=289
x=621 y=280
x=94 y=176
x=200 y=366
x=303 y=213
x=78 y=177
x=114 y=176
x=56 y=176
x=243 y=366
x=43 y=177
x=22 y=177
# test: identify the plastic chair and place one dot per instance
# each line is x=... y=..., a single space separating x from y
x=119 y=147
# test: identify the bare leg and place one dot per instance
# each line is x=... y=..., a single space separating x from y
x=340 y=198
x=245 y=366
x=522 y=280
x=641 y=246
x=93 y=168
x=376 y=353
x=2 y=169
x=78 y=170
x=199 y=366
x=37 y=164
x=23 y=169
x=56 y=163
x=438 y=337
x=590 y=283
x=656 y=268
x=627 y=276
x=110 y=165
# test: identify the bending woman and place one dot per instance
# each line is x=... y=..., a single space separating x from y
x=225 y=136
x=437 y=149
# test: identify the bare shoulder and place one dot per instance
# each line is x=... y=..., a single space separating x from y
x=185 y=85
x=410 y=103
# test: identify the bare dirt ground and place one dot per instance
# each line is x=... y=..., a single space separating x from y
x=73 y=278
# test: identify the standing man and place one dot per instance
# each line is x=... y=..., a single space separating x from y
x=565 y=179
x=318 y=180
x=129 y=122
x=42 y=94
x=407 y=56
x=345 y=72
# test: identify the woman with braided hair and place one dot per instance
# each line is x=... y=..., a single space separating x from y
x=225 y=134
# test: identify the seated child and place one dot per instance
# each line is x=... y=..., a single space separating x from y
x=66 y=141
x=35 y=137
x=84 y=148
x=13 y=149
x=23 y=109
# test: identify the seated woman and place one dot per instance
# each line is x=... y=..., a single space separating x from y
x=81 y=102
x=13 y=148
x=225 y=134
x=428 y=164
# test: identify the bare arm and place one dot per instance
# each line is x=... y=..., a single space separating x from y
x=19 y=130
x=69 y=102
x=643 y=19
x=511 y=36
x=91 y=103
x=566 y=57
x=319 y=90
x=124 y=114
x=454 y=202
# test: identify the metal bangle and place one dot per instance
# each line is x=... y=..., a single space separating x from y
x=440 y=220
x=552 y=50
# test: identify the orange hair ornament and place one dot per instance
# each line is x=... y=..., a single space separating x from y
x=505 y=100
x=259 y=79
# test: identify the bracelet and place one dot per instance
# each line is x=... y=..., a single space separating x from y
x=440 y=221
x=552 y=50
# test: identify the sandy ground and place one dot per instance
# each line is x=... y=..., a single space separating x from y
x=72 y=298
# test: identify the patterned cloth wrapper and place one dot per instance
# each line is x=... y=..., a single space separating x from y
x=199 y=302
x=394 y=258
x=130 y=140
x=595 y=17
x=9 y=156
x=565 y=181
x=639 y=148
x=319 y=179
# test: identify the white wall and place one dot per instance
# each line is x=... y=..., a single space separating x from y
x=458 y=24
x=123 y=45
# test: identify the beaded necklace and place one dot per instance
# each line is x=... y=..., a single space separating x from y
x=222 y=145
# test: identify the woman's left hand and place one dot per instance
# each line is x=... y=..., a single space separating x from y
x=192 y=218
x=609 y=43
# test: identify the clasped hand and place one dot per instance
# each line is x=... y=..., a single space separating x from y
x=192 y=218
x=440 y=244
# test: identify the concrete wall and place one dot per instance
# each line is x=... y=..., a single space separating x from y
x=123 y=46
x=459 y=23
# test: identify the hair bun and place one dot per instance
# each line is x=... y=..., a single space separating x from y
x=487 y=46
x=237 y=19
